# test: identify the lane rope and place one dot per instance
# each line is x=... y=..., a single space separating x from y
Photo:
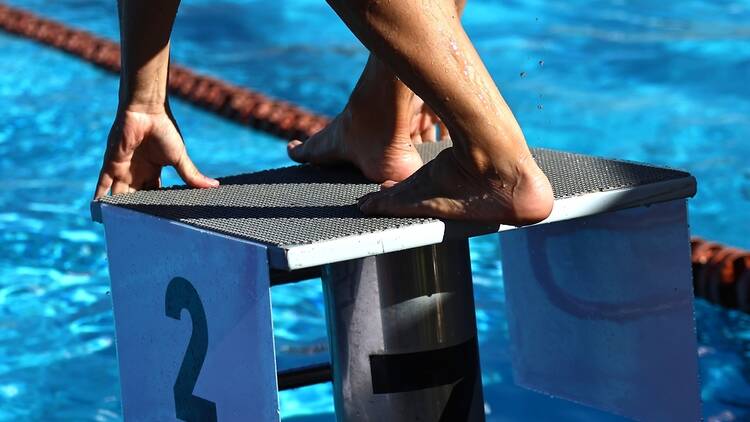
x=245 y=106
x=721 y=274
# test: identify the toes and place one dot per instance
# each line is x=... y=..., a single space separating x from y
x=429 y=134
x=366 y=198
x=371 y=204
x=296 y=150
x=384 y=188
x=444 y=134
x=387 y=202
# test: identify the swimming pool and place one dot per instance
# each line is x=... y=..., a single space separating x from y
x=661 y=82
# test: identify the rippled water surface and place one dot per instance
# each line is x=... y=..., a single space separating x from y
x=665 y=82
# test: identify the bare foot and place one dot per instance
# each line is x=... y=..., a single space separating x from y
x=375 y=140
x=447 y=187
x=376 y=131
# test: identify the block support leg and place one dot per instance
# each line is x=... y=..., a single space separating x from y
x=403 y=336
x=600 y=311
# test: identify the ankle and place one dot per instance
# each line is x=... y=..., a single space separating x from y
x=384 y=93
x=504 y=163
x=379 y=86
x=386 y=109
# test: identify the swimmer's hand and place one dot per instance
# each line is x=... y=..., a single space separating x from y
x=140 y=143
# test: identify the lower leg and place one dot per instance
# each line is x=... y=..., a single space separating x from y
x=372 y=132
x=490 y=174
x=375 y=127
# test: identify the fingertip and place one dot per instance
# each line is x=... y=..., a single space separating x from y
x=212 y=183
x=203 y=182
x=119 y=187
x=102 y=185
x=99 y=192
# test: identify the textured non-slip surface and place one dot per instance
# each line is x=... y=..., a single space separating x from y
x=306 y=204
x=575 y=174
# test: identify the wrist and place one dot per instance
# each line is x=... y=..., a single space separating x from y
x=132 y=105
x=143 y=98
x=148 y=92
x=145 y=85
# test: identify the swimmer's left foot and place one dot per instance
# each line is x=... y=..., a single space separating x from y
x=366 y=138
x=375 y=132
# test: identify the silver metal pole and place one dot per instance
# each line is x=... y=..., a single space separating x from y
x=403 y=336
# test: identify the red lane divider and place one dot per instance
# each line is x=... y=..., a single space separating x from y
x=720 y=274
x=245 y=106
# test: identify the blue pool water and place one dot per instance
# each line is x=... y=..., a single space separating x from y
x=664 y=82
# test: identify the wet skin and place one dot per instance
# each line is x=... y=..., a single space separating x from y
x=376 y=131
x=378 y=128
x=488 y=176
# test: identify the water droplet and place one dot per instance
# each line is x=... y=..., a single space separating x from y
x=541 y=63
x=523 y=74
x=539 y=106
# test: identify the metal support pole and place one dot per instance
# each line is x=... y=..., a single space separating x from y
x=403 y=336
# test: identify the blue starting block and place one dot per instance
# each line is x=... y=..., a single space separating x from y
x=599 y=296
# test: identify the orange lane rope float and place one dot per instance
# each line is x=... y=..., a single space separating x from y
x=720 y=274
x=245 y=106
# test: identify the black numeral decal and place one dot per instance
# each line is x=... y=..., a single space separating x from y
x=182 y=295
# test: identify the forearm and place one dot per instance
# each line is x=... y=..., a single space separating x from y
x=145 y=28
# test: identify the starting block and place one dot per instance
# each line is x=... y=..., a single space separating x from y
x=599 y=296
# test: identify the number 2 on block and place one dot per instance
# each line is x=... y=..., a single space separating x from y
x=182 y=295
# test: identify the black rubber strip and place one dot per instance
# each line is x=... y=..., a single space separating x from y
x=399 y=373
x=459 y=364
x=279 y=277
x=305 y=376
